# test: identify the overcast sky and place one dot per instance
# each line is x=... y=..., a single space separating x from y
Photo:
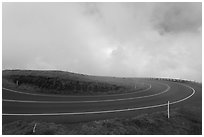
x=112 y=39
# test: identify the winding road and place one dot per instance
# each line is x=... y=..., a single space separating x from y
x=20 y=105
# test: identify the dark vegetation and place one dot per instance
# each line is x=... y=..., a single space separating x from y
x=183 y=121
x=57 y=82
x=60 y=86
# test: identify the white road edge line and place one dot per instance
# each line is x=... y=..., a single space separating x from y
x=89 y=101
x=149 y=87
x=106 y=111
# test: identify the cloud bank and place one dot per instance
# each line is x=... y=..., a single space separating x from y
x=114 y=39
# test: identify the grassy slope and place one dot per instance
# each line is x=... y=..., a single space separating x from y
x=182 y=121
x=68 y=75
x=91 y=84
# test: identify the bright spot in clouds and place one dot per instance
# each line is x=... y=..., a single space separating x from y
x=114 y=39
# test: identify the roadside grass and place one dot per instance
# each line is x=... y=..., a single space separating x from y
x=58 y=82
x=26 y=128
x=28 y=88
x=8 y=83
x=183 y=121
x=23 y=87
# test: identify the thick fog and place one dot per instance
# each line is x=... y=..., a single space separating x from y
x=112 y=39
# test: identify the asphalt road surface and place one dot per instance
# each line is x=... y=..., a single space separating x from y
x=19 y=105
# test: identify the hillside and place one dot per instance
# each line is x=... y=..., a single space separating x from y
x=59 y=82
